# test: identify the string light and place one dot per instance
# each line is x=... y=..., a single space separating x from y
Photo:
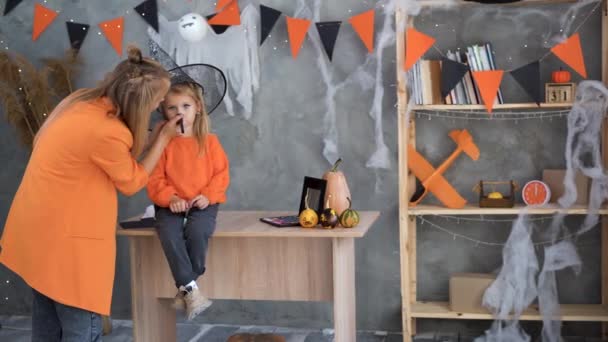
x=487 y=243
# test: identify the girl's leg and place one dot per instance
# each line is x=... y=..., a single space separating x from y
x=46 y=326
x=199 y=228
x=171 y=234
x=78 y=325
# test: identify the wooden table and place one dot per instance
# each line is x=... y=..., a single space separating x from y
x=250 y=260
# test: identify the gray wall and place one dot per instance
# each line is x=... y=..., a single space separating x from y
x=271 y=153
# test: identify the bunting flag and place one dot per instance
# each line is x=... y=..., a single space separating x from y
x=269 y=17
x=218 y=29
x=77 y=32
x=297 y=29
x=363 y=24
x=149 y=11
x=528 y=78
x=416 y=44
x=230 y=15
x=113 y=30
x=10 y=5
x=328 y=31
x=43 y=17
x=488 y=82
x=451 y=74
x=570 y=52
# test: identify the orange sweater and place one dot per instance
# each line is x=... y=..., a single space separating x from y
x=59 y=235
x=182 y=172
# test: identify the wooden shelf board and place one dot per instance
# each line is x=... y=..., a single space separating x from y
x=496 y=107
x=568 y=312
x=549 y=209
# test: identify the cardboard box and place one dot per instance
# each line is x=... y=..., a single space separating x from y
x=467 y=289
x=555 y=181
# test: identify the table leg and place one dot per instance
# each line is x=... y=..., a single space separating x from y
x=345 y=325
x=153 y=318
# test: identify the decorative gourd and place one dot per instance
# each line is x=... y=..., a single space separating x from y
x=560 y=76
x=349 y=217
x=337 y=190
x=308 y=217
x=329 y=219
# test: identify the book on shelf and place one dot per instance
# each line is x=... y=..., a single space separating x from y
x=426 y=77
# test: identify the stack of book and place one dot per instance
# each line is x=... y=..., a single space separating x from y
x=426 y=77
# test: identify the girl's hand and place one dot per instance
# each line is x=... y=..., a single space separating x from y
x=178 y=205
x=200 y=202
x=168 y=130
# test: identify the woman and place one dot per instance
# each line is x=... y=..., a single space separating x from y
x=60 y=232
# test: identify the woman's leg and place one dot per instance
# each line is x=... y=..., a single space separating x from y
x=199 y=228
x=46 y=326
x=78 y=325
x=169 y=227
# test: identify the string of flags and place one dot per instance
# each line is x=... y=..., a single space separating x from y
x=528 y=76
x=227 y=14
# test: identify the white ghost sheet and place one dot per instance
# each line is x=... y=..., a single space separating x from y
x=235 y=52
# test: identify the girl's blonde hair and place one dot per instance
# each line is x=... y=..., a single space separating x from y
x=200 y=128
x=132 y=87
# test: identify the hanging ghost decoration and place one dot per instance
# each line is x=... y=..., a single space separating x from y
x=192 y=27
x=234 y=51
x=583 y=148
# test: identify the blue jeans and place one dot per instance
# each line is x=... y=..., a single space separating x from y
x=185 y=246
x=55 y=322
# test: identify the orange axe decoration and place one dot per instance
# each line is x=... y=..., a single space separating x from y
x=432 y=180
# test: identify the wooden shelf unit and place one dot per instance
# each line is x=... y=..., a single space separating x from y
x=412 y=309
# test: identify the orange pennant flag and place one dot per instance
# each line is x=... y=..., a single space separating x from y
x=488 y=82
x=416 y=44
x=113 y=30
x=364 y=26
x=229 y=16
x=570 y=52
x=296 y=28
x=43 y=17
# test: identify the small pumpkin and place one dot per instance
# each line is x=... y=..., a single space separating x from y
x=328 y=218
x=560 y=76
x=308 y=217
x=336 y=190
x=349 y=217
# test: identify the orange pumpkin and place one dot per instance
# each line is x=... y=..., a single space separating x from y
x=560 y=76
x=336 y=192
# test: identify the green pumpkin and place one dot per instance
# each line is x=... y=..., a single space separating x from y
x=349 y=217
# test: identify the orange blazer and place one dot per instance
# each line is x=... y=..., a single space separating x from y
x=59 y=235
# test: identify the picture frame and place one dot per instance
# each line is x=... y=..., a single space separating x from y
x=315 y=188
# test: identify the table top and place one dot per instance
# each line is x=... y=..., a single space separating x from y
x=241 y=223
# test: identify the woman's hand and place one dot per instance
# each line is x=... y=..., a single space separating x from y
x=200 y=202
x=178 y=205
x=168 y=130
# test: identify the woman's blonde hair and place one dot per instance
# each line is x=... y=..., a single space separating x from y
x=200 y=127
x=132 y=87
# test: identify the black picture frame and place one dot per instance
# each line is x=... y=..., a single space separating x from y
x=315 y=187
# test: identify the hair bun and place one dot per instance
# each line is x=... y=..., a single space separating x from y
x=134 y=54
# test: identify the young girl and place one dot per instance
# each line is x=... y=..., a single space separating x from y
x=187 y=185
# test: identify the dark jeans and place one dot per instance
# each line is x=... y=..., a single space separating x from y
x=185 y=246
x=55 y=322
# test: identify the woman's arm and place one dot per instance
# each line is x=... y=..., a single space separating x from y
x=166 y=133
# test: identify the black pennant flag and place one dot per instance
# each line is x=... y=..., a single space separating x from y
x=10 y=4
x=452 y=73
x=218 y=29
x=149 y=11
x=328 y=31
x=528 y=78
x=269 y=18
x=77 y=32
